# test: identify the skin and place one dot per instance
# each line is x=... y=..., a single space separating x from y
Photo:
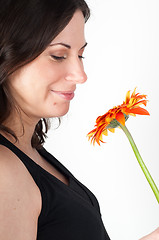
x=152 y=236
x=31 y=85
x=40 y=90
x=37 y=89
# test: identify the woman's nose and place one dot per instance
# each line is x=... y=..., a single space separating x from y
x=76 y=72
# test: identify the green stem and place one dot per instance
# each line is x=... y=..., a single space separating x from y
x=141 y=163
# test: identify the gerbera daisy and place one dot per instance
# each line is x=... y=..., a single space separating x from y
x=118 y=115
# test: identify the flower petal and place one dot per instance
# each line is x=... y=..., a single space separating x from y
x=138 y=110
x=144 y=102
x=105 y=132
x=120 y=118
x=127 y=97
x=111 y=130
x=133 y=94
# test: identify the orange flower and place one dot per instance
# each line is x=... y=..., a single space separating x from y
x=118 y=115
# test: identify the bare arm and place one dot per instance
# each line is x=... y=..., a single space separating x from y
x=18 y=214
x=152 y=236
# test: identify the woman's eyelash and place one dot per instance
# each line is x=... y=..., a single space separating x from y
x=60 y=58
x=80 y=56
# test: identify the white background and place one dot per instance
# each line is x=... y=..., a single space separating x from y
x=122 y=53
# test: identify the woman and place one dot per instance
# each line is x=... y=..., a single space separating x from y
x=41 y=47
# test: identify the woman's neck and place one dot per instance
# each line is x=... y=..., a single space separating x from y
x=24 y=135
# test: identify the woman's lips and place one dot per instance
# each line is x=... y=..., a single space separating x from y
x=65 y=95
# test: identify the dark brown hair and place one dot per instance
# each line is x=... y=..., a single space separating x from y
x=26 y=28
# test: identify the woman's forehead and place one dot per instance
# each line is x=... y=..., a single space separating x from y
x=73 y=32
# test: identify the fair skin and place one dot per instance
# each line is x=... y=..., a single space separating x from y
x=42 y=89
x=152 y=236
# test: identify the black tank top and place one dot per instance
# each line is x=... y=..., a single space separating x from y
x=69 y=212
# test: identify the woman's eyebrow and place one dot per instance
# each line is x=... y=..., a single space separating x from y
x=60 y=43
x=66 y=45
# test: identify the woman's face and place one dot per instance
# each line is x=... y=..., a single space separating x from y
x=45 y=87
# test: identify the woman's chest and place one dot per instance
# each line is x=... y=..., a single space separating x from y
x=50 y=168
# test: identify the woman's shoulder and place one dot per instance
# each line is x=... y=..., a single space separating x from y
x=14 y=171
x=20 y=200
x=7 y=161
x=15 y=180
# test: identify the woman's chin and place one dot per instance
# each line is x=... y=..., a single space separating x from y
x=58 y=113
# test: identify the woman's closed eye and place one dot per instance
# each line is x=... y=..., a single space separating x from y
x=58 y=58
x=61 y=58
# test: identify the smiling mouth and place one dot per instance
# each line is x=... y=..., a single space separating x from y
x=65 y=95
